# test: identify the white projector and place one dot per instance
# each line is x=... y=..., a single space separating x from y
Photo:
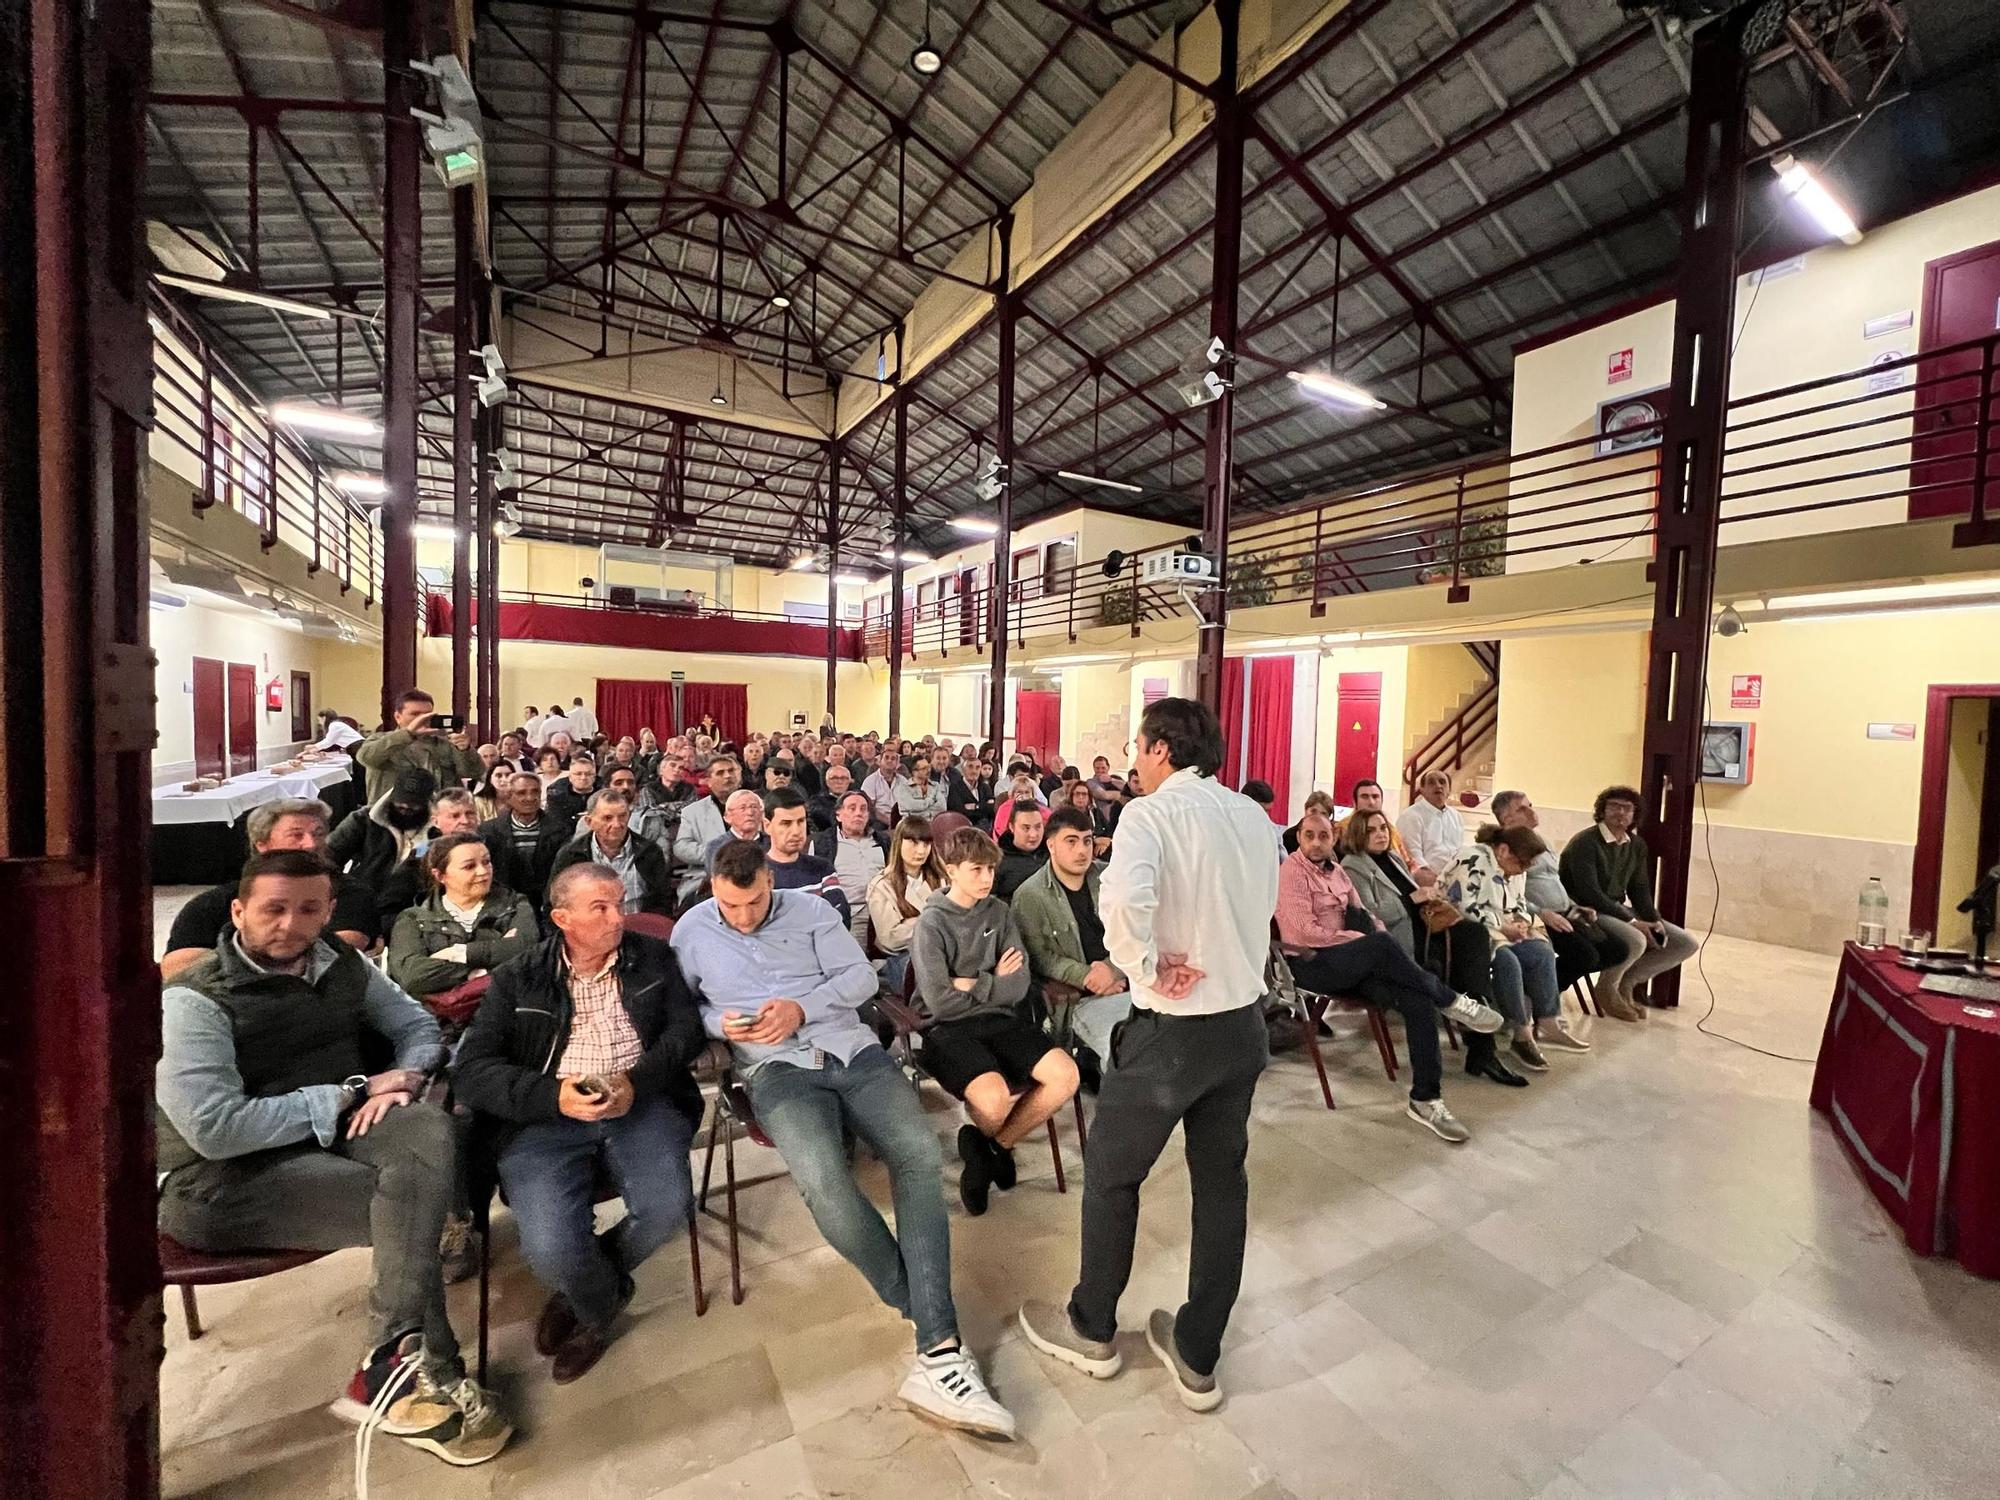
x=1177 y=567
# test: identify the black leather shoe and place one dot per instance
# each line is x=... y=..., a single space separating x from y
x=1491 y=1067
x=975 y=1177
x=555 y=1327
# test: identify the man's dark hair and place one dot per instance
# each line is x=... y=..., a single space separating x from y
x=287 y=864
x=728 y=756
x=413 y=695
x=1190 y=731
x=972 y=846
x=740 y=862
x=1615 y=794
x=1025 y=805
x=1071 y=773
x=1260 y=792
x=1365 y=781
x=1075 y=819
x=780 y=797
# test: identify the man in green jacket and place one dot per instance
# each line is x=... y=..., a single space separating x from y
x=449 y=758
x=1055 y=911
x=1608 y=868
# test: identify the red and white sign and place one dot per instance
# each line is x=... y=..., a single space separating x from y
x=1746 y=690
x=1618 y=367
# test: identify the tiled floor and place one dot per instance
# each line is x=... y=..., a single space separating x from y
x=1650 y=1274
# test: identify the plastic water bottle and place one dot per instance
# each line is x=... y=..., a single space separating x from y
x=1872 y=931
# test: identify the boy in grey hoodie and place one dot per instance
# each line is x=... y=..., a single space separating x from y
x=971 y=977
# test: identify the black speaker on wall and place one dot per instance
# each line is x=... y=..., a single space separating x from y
x=624 y=594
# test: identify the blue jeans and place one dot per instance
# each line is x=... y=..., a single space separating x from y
x=1524 y=976
x=803 y=1111
x=551 y=1175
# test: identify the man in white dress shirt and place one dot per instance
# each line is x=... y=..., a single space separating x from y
x=582 y=722
x=1432 y=831
x=1187 y=902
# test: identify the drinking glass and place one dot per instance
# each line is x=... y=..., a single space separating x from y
x=1916 y=943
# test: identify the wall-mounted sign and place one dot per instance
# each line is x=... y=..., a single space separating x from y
x=1894 y=322
x=1881 y=379
x=1618 y=367
x=1728 y=753
x=1892 y=731
x=1628 y=422
x=1746 y=690
x=1791 y=265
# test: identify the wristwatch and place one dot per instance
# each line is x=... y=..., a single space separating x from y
x=357 y=1090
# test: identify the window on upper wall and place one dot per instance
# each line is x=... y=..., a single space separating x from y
x=1059 y=566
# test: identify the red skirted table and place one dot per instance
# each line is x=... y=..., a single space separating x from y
x=1911 y=1084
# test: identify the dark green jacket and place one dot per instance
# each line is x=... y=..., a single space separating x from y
x=1048 y=927
x=504 y=929
x=383 y=755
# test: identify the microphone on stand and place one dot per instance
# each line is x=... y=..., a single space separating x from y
x=1980 y=904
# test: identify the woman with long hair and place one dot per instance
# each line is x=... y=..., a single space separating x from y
x=912 y=875
x=490 y=797
x=1076 y=794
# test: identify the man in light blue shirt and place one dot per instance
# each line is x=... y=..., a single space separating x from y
x=780 y=978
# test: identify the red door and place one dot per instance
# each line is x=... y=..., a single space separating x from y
x=211 y=755
x=242 y=718
x=1037 y=722
x=1359 y=735
x=1961 y=303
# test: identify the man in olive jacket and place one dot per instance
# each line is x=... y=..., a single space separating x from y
x=577 y=1064
x=1055 y=911
x=449 y=759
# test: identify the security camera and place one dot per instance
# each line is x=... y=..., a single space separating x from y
x=1114 y=563
x=1729 y=622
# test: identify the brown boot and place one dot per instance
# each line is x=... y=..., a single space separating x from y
x=1617 y=1006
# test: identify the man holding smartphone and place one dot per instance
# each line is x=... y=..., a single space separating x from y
x=578 y=1063
x=418 y=741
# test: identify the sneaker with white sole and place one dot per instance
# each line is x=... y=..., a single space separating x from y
x=1197 y=1392
x=383 y=1366
x=1049 y=1329
x=947 y=1387
x=1474 y=1015
x=461 y=1422
x=1557 y=1034
x=1438 y=1120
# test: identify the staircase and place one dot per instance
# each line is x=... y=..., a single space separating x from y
x=1107 y=738
x=1463 y=742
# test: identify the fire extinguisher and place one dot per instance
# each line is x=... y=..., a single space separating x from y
x=274 y=696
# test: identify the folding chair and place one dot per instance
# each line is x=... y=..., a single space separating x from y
x=1313 y=1008
x=188 y=1269
x=731 y=1107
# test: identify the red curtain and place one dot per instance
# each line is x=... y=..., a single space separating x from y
x=1270 y=726
x=728 y=701
x=1232 y=720
x=625 y=705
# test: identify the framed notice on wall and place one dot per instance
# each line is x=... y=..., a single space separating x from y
x=1728 y=752
x=1628 y=422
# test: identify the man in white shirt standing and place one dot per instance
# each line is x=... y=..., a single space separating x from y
x=1433 y=832
x=531 y=728
x=1187 y=903
x=582 y=722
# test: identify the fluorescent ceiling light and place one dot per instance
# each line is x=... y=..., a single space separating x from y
x=1804 y=188
x=1941 y=592
x=1109 y=484
x=780 y=301
x=436 y=531
x=802 y=562
x=850 y=580
x=361 y=484
x=888 y=555
x=1334 y=389
x=327 y=419
x=973 y=526
x=223 y=291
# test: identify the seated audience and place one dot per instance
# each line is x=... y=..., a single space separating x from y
x=639 y=865
x=272 y=1133
x=567 y=798
x=452 y=811
x=490 y=796
x=1111 y=792
x=971 y=791
x=793 y=866
x=1266 y=796
x=1316 y=801
x=514 y=751
x=649 y=754
x=1485 y=884
x=1353 y=954
x=972 y=975
x=578 y=1066
x=912 y=874
x=525 y=840
x=777 y=772
x=1458 y=951
x=669 y=787
x=1608 y=868
x=465 y=927
x=857 y=850
x=879 y=786
x=920 y=794
x=781 y=979
x=413 y=745
x=743 y=818
x=371 y=842
x=1077 y=794
x=836 y=781
x=648 y=822
x=1055 y=912
x=1368 y=799
x=1021 y=851
x=702 y=824
x=1586 y=940
x=287 y=823
x=1432 y=830
x=1021 y=787
x=548 y=767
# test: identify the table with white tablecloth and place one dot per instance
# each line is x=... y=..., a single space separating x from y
x=198 y=837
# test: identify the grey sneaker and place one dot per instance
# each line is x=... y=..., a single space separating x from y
x=1438 y=1120
x=1528 y=1055
x=1557 y=1034
x=1049 y=1329
x=467 y=1425
x=1474 y=1015
x=1197 y=1392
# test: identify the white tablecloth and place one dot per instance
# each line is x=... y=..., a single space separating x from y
x=235 y=797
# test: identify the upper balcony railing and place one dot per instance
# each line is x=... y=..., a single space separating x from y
x=209 y=429
x=1908 y=438
x=652 y=624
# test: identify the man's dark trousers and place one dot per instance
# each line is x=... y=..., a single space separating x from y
x=1198 y=1072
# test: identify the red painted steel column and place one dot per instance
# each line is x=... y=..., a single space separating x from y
x=832 y=572
x=1226 y=259
x=898 y=521
x=1003 y=450
x=463 y=410
x=80 y=1319
x=401 y=267
x=1690 y=503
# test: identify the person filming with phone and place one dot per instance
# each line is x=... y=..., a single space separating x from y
x=422 y=739
x=578 y=1068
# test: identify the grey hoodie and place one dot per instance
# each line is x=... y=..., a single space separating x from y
x=954 y=942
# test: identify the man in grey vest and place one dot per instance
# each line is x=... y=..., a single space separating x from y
x=289 y=1075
